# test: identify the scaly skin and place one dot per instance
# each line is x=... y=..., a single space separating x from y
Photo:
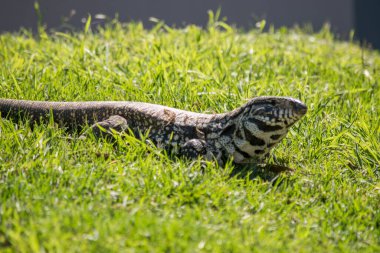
x=246 y=134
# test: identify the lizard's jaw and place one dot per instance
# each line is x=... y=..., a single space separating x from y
x=254 y=139
x=250 y=140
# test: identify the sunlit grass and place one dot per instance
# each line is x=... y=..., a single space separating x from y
x=62 y=194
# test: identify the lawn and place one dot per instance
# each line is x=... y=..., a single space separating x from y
x=63 y=194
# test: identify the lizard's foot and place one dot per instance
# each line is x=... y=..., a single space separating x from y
x=107 y=127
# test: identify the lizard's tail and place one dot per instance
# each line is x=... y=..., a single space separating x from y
x=68 y=114
x=33 y=111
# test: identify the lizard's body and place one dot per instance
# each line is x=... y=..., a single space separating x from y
x=247 y=134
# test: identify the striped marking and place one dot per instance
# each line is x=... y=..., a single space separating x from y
x=275 y=137
x=263 y=126
x=244 y=148
x=243 y=153
x=253 y=140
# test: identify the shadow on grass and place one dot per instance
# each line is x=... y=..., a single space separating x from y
x=269 y=172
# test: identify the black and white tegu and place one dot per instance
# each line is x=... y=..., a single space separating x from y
x=246 y=134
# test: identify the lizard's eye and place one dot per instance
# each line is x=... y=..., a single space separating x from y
x=272 y=103
x=258 y=111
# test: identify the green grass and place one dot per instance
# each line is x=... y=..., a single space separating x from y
x=59 y=194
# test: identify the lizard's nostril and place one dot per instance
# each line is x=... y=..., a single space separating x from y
x=300 y=108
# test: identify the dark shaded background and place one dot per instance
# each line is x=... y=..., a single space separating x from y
x=363 y=16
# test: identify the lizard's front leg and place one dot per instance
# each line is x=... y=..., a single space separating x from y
x=195 y=148
x=104 y=128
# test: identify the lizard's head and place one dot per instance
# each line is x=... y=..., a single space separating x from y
x=259 y=125
x=275 y=111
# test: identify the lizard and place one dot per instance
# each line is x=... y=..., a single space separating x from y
x=246 y=134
